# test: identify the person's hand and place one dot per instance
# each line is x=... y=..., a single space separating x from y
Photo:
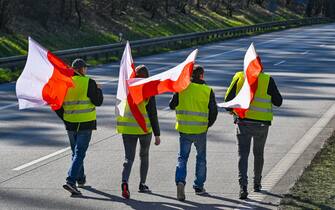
x=99 y=86
x=157 y=140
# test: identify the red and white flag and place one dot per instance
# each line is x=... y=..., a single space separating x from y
x=127 y=71
x=172 y=80
x=45 y=79
x=252 y=68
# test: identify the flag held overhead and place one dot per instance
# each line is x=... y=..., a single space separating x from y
x=172 y=80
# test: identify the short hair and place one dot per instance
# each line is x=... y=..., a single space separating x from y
x=141 y=71
x=79 y=63
x=197 y=71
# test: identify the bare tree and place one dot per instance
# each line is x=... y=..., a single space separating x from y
x=5 y=13
x=77 y=6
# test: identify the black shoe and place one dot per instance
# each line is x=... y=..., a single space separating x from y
x=142 y=188
x=257 y=187
x=243 y=193
x=180 y=191
x=199 y=191
x=72 y=189
x=125 y=190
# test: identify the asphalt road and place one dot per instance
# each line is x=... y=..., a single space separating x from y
x=34 y=158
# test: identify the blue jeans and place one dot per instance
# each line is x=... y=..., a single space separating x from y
x=185 y=143
x=79 y=141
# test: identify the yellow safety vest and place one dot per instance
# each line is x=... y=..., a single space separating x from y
x=128 y=124
x=261 y=106
x=192 y=110
x=77 y=106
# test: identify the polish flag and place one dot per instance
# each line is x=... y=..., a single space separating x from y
x=252 y=68
x=45 y=79
x=127 y=71
x=173 y=80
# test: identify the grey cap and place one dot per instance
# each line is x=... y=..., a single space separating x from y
x=79 y=63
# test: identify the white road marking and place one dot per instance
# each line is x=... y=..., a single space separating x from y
x=306 y=52
x=166 y=108
x=281 y=168
x=41 y=159
x=9 y=106
x=281 y=62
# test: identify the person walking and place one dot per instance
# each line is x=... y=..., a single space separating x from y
x=196 y=111
x=132 y=132
x=79 y=116
x=254 y=126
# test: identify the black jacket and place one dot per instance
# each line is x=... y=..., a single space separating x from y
x=96 y=97
x=152 y=113
x=212 y=107
x=273 y=91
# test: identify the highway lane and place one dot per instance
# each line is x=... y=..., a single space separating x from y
x=300 y=60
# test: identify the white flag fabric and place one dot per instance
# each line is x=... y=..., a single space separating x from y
x=251 y=69
x=172 y=80
x=126 y=71
x=45 y=79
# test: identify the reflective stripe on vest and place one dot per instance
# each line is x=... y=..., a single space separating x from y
x=192 y=113
x=192 y=110
x=131 y=124
x=127 y=124
x=261 y=106
x=76 y=102
x=182 y=122
x=77 y=106
x=79 y=111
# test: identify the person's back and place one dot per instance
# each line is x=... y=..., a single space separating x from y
x=192 y=110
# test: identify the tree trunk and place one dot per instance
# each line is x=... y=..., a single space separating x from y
x=77 y=8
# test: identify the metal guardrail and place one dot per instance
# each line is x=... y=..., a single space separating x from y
x=116 y=49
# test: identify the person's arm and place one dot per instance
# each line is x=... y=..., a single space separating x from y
x=213 y=110
x=152 y=114
x=273 y=91
x=94 y=93
x=174 y=101
x=60 y=113
x=231 y=94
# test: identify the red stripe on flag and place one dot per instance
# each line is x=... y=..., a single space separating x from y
x=254 y=69
x=55 y=89
x=137 y=114
x=134 y=108
x=141 y=92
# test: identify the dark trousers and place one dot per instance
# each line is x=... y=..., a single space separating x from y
x=245 y=133
x=129 y=143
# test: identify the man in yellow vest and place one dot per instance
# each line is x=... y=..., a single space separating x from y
x=79 y=116
x=196 y=111
x=254 y=125
x=132 y=132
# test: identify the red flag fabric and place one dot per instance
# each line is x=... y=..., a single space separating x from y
x=45 y=79
x=173 y=80
x=252 y=68
x=127 y=71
